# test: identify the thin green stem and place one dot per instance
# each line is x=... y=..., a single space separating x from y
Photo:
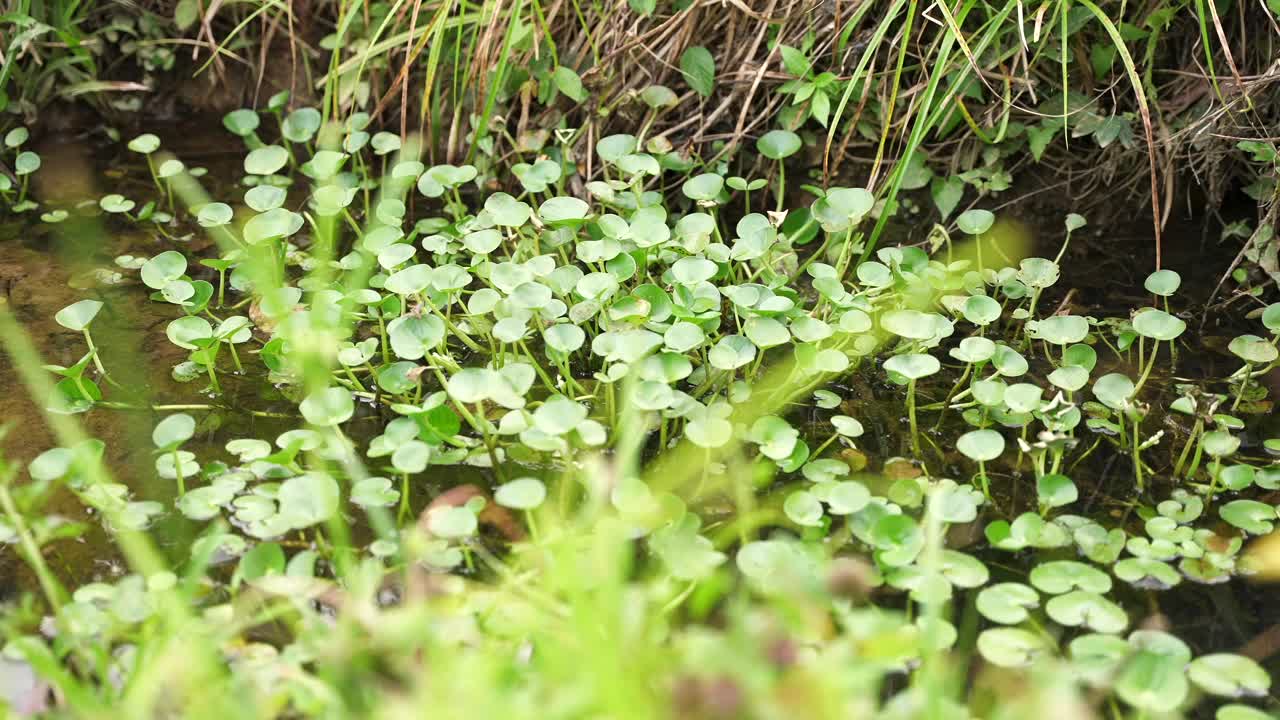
x=177 y=471
x=53 y=590
x=911 y=415
x=97 y=362
x=1244 y=385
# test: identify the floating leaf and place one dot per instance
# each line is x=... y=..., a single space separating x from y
x=1079 y=608
x=1011 y=647
x=1060 y=576
x=1007 y=603
x=374 y=492
x=328 y=407
x=521 y=494
x=803 y=508
x=1254 y=517
x=1153 y=681
x=308 y=499
x=1056 y=490
x=1114 y=390
x=1061 y=329
x=173 y=430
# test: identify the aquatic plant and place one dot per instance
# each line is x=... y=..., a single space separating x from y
x=652 y=386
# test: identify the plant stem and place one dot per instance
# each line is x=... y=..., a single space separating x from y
x=457 y=331
x=1195 y=457
x=382 y=332
x=94 y=349
x=354 y=379
x=235 y=357
x=537 y=366
x=824 y=445
x=1186 y=447
x=954 y=389
x=154 y=177
x=404 y=496
x=1137 y=454
x=1146 y=371
x=53 y=590
x=177 y=470
x=911 y=414
x=213 y=378
x=782 y=185
x=1244 y=385
x=1214 y=474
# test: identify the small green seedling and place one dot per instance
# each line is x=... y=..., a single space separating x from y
x=778 y=145
x=78 y=316
x=173 y=463
x=525 y=494
x=1254 y=351
x=981 y=446
x=912 y=367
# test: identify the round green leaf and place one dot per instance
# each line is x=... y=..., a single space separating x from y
x=374 y=492
x=803 y=508
x=703 y=188
x=145 y=144
x=913 y=366
x=1163 y=283
x=1056 y=490
x=1152 y=681
x=328 y=407
x=778 y=144
x=1061 y=329
x=981 y=310
x=1253 y=349
x=241 y=122
x=266 y=160
x=981 y=445
x=215 y=215
x=1254 y=517
x=1086 y=609
x=173 y=430
x=26 y=163
x=1114 y=390
x=1007 y=603
x=1060 y=576
x=975 y=222
x=78 y=315
x=521 y=494
x=308 y=499
x=1158 y=325
x=1012 y=647
x=563 y=210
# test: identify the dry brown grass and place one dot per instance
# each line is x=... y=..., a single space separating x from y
x=1206 y=87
